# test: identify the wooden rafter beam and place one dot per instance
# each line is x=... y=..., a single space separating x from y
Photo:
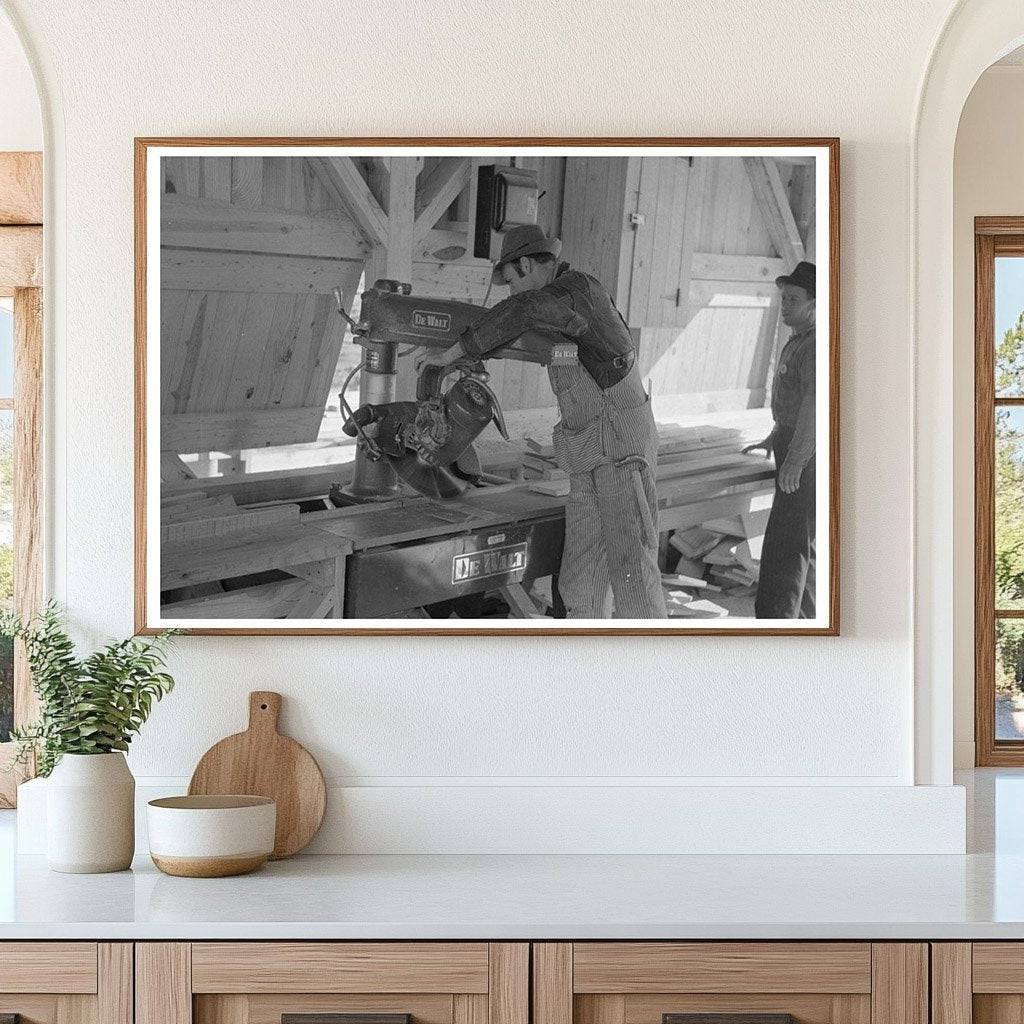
x=440 y=189
x=773 y=203
x=204 y=224
x=341 y=177
x=221 y=271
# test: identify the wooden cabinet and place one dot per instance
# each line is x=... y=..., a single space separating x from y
x=66 y=982
x=649 y=982
x=259 y=982
x=494 y=983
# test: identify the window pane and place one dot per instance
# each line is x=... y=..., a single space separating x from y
x=1009 y=511
x=1009 y=323
x=6 y=349
x=1009 y=679
x=6 y=566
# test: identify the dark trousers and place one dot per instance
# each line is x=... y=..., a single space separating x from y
x=785 y=588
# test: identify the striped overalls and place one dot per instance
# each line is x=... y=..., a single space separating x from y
x=606 y=441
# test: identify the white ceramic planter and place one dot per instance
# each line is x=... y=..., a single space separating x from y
x=90 y=814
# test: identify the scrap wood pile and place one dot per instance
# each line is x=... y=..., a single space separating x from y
x=718 y=566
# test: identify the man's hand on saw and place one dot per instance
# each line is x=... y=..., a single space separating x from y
x=439 y=357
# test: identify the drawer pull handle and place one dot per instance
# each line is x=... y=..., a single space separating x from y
x=341 y=1018
x=728 y=1018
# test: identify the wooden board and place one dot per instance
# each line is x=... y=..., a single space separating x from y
x=21 y=188
x=397 y=525
x=241 y=554
x=262 y=762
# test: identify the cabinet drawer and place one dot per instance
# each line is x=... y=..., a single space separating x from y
x=262 y=982
x=630 y=967
x=340 y=967
x=48 y=967
x=735 y=982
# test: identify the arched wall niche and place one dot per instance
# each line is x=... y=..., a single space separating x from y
x=976 y=34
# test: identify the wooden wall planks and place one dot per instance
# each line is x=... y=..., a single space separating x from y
x=682 y=278
x=695 y=277
x=252 y=249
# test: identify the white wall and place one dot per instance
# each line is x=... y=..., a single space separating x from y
x=812 y=712
x=21 y=125
x=988 y=181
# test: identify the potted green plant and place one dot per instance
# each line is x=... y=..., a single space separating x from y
x=89 y=710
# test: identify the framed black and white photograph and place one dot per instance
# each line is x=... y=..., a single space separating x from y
x=537 y=386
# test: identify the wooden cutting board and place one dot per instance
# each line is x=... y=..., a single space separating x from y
x=262 y=762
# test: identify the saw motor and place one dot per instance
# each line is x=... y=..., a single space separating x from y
x=428 y=443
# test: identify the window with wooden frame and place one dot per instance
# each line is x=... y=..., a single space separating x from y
x=999 y=490
x=21 y=365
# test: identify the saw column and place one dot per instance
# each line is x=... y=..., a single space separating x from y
x=384 y=206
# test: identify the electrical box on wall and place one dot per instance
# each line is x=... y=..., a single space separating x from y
x=506 y=197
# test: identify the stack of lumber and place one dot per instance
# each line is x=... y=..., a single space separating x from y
x=189 y=516
x=681 y=451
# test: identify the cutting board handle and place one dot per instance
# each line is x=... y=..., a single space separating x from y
x=264 y=710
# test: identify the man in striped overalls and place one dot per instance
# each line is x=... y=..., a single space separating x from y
x=605 y=440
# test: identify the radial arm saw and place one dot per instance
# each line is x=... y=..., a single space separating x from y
x=427 y=443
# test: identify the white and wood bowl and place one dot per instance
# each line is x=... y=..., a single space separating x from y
x=211 y=836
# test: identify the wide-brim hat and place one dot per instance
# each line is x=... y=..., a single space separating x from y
x=803 y=276
x=525 y=240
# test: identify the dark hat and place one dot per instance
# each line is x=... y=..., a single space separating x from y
x=802 y=276
x=525 y=240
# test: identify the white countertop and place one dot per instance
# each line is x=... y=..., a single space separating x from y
x=978 y=896
x=531 y=897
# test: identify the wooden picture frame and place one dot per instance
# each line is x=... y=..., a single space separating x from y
x=324 y=579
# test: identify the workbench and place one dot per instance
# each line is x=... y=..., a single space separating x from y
x=389 y=559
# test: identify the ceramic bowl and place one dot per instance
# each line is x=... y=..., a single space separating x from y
x=211 y=836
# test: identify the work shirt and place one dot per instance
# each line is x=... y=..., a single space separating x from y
x=605 y=413
x=793 y=404
x=605 y=348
